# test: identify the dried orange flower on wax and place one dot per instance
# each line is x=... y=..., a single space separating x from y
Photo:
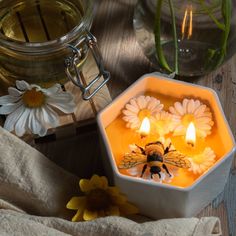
x=99 y=200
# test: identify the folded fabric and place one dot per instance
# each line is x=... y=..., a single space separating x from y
x=34 y=192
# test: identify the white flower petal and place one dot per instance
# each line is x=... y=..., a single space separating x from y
x=200 y=110
x=129 y=113
x=63 y=102
x=22 y=85
x=12 y=118
x=133 y=103
x=7 y=109
x=141 y=102
x=131 y=108
x=153 y=103
x=34 y=124
x=66 y=108
x=197 y=104
x=20 y=126
x=179 y=108
x=55 y=89
x=190 y=106
x=49 y=116
x=185 y=103
x=8 y=99
x=14 y=92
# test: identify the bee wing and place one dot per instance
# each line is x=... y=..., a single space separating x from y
x=176 y=158
x=132 y=159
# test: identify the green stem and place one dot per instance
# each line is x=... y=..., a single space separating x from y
x=217 y=56
x=174 y=36
x=157 y=33
x=206 y=9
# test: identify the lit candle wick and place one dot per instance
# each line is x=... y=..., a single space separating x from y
x=144 y=129
x=191 y=135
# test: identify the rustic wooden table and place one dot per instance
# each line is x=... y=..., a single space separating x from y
x=125 y=60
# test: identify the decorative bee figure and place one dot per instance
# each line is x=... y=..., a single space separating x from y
x=154 y=155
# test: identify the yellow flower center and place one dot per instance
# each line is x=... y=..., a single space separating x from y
x=198 y=159
x=144 y=113
x=98 y=199
x=187 y=119
x=33 y=98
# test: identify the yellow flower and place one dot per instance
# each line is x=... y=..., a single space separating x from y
x=99 y=200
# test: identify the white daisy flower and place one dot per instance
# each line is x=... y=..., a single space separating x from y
x=201 y=162
x=30 y=108
x=163 y=123
x=191 y=111
x=139 y=108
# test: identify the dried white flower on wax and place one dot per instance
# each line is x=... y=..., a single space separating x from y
x=30 y=108
x=203 y=161
x=139 y=108
x=191 y=110
x=163 y=123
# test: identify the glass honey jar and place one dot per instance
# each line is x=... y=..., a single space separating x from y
x=47 y=41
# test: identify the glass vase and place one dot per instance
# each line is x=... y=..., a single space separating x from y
x=188 y=37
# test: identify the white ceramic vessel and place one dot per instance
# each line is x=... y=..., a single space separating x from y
x=158 y=200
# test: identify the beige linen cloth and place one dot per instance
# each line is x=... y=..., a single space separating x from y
x=34 y=192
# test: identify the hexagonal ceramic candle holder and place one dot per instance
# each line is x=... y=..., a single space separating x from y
x=158 y=200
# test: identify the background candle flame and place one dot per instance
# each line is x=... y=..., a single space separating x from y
x=145 y=127
x=191 y=134
x=187 y=24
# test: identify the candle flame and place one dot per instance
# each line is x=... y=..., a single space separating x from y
x=187 y=22
x=145 y=127
x=191 y=134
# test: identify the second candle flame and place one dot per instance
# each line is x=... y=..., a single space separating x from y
x=144 y=129
x=190 y=137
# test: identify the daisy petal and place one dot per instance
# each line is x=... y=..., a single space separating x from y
x=49 y=116
x=20 y=126
x=119 y=199
x=128 y=209
x=173 y=111
x=190 y=106
x=179 y=108
x=141 y=102
x=78 y=216
x=7 y=109
x=89 y=215
x=22 y=85
x=129 y=113
x=185 y=103
x=14 y=92
x=55 y=89
x=200 y=110
x=63 y=102
x=113 y=211
x=85 y=185
x=8 y=99
x=35 y=126
x=132 y=108
x=76 y=202
x=96 y=182
x=12 y=118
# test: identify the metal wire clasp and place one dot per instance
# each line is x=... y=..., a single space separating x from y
x=73 y=66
